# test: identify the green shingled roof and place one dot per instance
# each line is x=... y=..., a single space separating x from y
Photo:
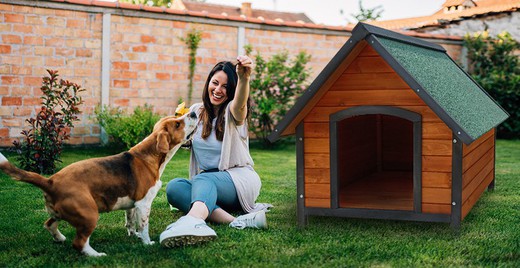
x=449 y=91
x=451 y=88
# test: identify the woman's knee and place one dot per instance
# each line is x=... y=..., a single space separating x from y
x=178 y=192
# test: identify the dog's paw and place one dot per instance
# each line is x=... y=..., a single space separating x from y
x=132 y=232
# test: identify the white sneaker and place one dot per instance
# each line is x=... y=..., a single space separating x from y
x=187 y=230
x=253 y=220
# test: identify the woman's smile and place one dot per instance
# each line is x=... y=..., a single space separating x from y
x=218 y=88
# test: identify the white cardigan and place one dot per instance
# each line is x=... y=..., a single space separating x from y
x=236 y=160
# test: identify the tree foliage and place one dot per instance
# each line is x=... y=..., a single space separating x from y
x=276 y=84
x=497 y=69
x=366 y=14
x=156 y=3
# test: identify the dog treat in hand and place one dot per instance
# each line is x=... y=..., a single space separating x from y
x=181 y=109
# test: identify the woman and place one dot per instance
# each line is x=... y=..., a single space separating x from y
x=221 y=168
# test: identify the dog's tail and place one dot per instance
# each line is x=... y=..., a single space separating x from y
x=25 y=176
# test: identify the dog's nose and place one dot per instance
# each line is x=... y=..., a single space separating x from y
x=193 y=115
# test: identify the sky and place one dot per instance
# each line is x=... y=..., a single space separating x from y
x=328 y=11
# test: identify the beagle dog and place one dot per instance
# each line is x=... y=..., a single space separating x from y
x=126 y=181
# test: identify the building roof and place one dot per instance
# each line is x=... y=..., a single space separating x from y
x=426 y=67
x=124 y=7
x=445 y=16
x=244 y=10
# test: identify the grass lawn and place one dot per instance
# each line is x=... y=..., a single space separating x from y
x=489 y=236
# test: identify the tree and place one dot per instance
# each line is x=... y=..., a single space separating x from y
x=496 y=68
x=275 y=86
x=157 y=3
x=366 y=14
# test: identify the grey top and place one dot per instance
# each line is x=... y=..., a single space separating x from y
x=236 y=160
x=207 y=151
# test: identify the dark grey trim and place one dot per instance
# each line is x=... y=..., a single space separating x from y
x=333 y=149
x=419 y=89
x=379 y=214
x=415 y=118
x=491 y=185
x=300 y=176
x=417 y=164
x=456 y=183
x=370 y=29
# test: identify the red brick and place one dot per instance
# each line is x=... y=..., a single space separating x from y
x=32 y=40
x=22 y=28
x=54 y=62
x=66 y=52
x=139 y=49
x=31 y=101
x=129 y=75
x=122 y=102
x=91 y=140
x=74 y=140
x=14 y=101
x=148 y=39
x=83 y=53
x=6 y=111
x=32 y=19
x=11 y=39
x=44 y=51
x=55 y=42
x=11 y=80
x=162 y=76
x=122 y=83
x=16 y=18
x=56 y=21
x=5 y=49
x=138 y=66
x=118 y=65
x=71 y=23
x=32 y=81
x=22 y=111
x=4 y=132
x=26 y=70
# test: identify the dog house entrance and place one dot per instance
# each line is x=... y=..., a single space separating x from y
x=374 y=159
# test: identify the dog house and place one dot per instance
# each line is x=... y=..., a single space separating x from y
x=392 y=128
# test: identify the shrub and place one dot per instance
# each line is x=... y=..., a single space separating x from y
x=41 y=146
x=495 y=67
x=275 y=86
x=126 y=130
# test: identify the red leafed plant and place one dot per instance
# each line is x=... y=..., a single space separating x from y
x=41 y=145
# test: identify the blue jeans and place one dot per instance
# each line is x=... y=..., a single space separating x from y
x=215 y=189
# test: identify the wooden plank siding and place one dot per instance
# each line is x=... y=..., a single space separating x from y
x=478 y=165
x=369 y=80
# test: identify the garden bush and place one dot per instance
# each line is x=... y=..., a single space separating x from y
x=126 y=130
x=275 y=86
x=41 y=147
x=496 y=68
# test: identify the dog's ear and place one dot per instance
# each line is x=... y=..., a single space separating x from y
x=163 y=145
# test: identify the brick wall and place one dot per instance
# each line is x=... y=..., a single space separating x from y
x=148 y=61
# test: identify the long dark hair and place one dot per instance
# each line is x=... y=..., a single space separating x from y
x=208 y=114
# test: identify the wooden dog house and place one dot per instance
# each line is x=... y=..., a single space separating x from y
x=392 y=128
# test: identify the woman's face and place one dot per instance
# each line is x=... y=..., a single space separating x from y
x=218 y=88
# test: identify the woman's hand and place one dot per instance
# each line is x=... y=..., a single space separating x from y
x=244 y=67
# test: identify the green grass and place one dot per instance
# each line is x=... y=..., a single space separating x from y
x=489 y=236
